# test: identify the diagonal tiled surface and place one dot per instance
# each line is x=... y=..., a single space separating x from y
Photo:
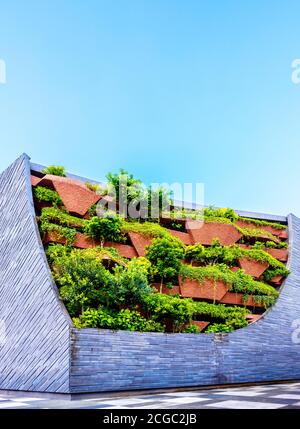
x=274 y=396
x=246 y=405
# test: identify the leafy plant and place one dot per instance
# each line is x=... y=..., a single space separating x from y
x=131 y=282
x=106 y=228
x=236 y=316
x=124 y=187
x=92 y=186
x=218 y=327
x=43 y=194
x=260 y=222
x=231 y=254
x=226 y=213
x=177 y=226
x=272 y=272
x=165 y=256
x=191 y=329
x=125 y=319
x=252 y=233
x=133 y=321
x=148 y=229
x=55 y=215
x=83 y=281
x=159 y=200
x=166 y=308
x=69 y=234
x=272 y=245
x=237 y=281
x=56 y=170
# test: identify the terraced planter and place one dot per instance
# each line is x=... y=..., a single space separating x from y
x=206 y=233
x=183 y=236
x=124 y=249
x=140 y=242
x=209 y=289
x=238 y=299
x=252 y=267
x=54 y=237
x=82 y=241
x=76 y=197
x=277 y=280
x=253 y=317
x=280 y=254
x=34 y=180
x=281 y=233
x=200 y=325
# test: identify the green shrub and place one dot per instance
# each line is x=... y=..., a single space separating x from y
x=251 y=233
x=125 y=319
x=191 y=329
x=125 y=189
x=177 y=226
x=217 y=254
x=47 y=195
x=56 y=170
x=237 y=281
x=147 y=202
x=131 y=283
x=262 y=222
x=165 y=256
x=218 y=327
x=55 y=215
x=133 y=321
x=272 y=272
x=62 y=232
x=55 y=251
x=225 y=213
x=109 y=255
x=107 y=228
x=148 y=229
x=83 y=282
x=92 y=318
x=92 y=186
x=232 y=315
x=272 y=245
x=162 y=307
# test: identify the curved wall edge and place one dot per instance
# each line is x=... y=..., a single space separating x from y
x=34 y=325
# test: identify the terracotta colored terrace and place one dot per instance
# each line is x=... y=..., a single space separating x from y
x=228 y=263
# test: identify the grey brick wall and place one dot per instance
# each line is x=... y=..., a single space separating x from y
x=35 y=328
x=264 y=351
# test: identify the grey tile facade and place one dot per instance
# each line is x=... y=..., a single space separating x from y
x=35 y=327
x=43 y=352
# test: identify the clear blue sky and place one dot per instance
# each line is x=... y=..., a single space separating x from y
x=172 y=90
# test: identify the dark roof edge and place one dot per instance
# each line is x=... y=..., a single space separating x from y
x=254 y=215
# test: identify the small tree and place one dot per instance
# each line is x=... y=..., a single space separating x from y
x=107 y=228
x=56 y=170
x=165 y=256
x=132 y=281
x=83 y=281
